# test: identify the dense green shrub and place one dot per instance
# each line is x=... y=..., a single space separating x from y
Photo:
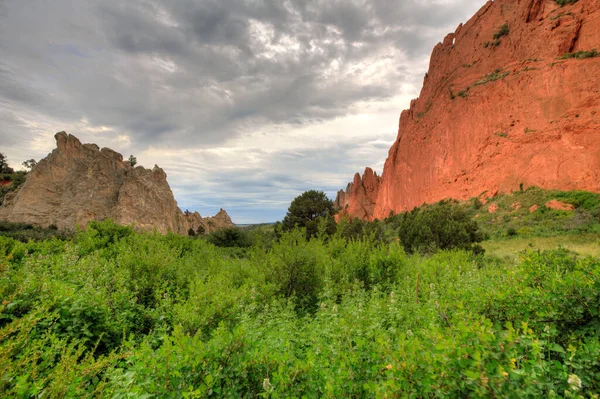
x=27 y=232
x=445 y=225
x=230 y=237
x=356 y=229
x=101 y=236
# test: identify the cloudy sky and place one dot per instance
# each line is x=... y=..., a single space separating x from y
x=244 y=103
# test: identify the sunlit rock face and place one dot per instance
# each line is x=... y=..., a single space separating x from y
x=78 y=183
x=498 y=108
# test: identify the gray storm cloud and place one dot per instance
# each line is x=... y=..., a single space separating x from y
x=186 y=75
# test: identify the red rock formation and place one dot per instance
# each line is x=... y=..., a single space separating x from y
x=359 y=199
x=559 y=206
x=495 y=113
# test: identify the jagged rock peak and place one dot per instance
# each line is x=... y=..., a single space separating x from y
x=358 y=200
x=220 y=220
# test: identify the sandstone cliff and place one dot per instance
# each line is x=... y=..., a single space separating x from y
x=512 y=97
x=78 y=183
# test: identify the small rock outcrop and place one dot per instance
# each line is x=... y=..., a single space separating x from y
x=220 y=221
x=559 y=206
x=78 y=183
x=511 y=100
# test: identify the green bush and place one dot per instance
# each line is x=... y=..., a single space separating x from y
x=232 y=237
x=580 y=199
x=441 y=226
x=357 y=229
x=503 y=31
x=27 y=232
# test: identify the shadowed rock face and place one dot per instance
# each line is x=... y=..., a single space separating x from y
x=78 y=183
x=495 y=113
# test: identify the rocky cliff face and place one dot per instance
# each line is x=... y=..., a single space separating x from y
x=78 y=183
x=512 y=97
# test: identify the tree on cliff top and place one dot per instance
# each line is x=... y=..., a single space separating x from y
x=132 y=160
x=309 y=210
x=29 y=164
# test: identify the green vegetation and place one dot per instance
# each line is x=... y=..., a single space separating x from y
x=581 y=55
x=27 y=232
x=114 y=313
x=29 y=164
x=262 y=312
x=16 y=179
x=464 y=93
x=132 y=160
x=503 y=31
x=4 y=168
x=495 y=43
x=441 y=226
x=313 y=211
x=492 y=77
x=518 y=211
x=562 y=14
x=428 y=106
x=357 y=229
x=563 y=3
x=8 y=175
x=511 y=249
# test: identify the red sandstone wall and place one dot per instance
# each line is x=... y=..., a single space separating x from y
x=539 y=124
